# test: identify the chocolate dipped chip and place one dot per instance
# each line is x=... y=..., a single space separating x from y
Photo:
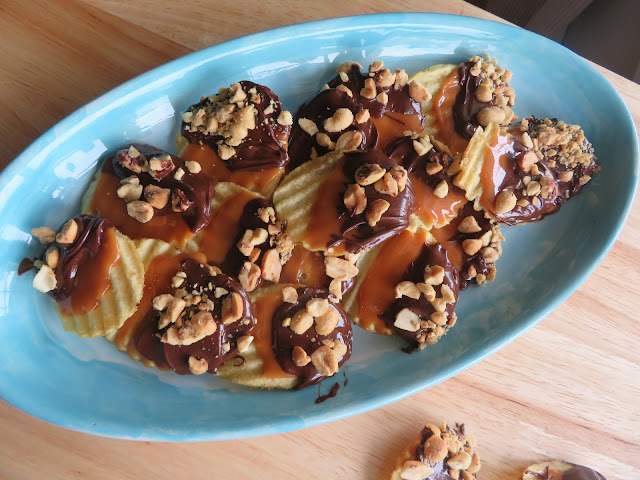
x=78 y=240
x=425 y=299
x=380 y=90
x=262 y=247
x=443 y=453
x=559 y=470
x=548 y=162
x=377 y=201
x=155 y=183
x=332 y=120
x=485 y=96
x=206 y=321
x=480 y=241
x=312 y=336
x=244 y=124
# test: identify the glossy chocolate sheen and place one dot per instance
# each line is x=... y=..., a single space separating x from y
x=357 y=234
x=285 y=339
x=467 y=106
x=440 y=470
x=476 y=260
x=249 y=219
x=431 y=254
x=210 y=348
x=196 y=187
x=402 y=151
x=319 y=109
x=579 y=472
x=91 y=231
x=399 y=101
x=265 y=147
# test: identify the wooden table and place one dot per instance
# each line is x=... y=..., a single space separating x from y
x=569 y=388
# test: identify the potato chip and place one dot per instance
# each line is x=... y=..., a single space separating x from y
x=472 y=162
x=121 y=299
x=432 y=79
x=296 y=195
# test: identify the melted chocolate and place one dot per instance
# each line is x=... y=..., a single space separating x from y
x=467 y=106
x=87 y=245
x=357 y=234
x=320 y=108
x=210 y=348
x=431 y=254
x=402 y=151
x=399 y=101
x=284 y=339
x=576 y=472
x=264 y=147
x=550 y=168
x=476 y=260
x=197 y=188
x=332 y=393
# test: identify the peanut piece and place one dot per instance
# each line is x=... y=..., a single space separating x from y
x=67 y=233
x=324 y=361
x=232 y=308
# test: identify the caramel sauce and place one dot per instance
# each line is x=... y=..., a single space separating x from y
x=325 y=223
x=304 y=268
x=443 y=102
x=165 y=225
x=216 y=169
x=92 y=279
x=377 y=290
x=157 y=280
x=435 y=210
x=497 y=160
x=219 y=236
x=445 y=237
x=264 y=310
x=392 y=125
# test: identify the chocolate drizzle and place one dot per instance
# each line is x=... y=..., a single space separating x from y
x=264 y=147
x=285 y=339
x=431 y=254
x=319 y=109
x=211 y=348
x=356 y=233
x=196 y=188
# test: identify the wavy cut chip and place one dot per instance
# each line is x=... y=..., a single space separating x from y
x=432 y=79
x=296 y=195
x=121 y=299
x=469 y=178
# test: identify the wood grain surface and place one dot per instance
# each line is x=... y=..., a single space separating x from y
x=569 y=388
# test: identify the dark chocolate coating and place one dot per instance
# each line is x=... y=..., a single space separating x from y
x=264 y=147
x=431 y=254
x=320 y=108
x=399 y=100
x=197 y=188
x=476 y=260
x=579 y=472
x=91 y=231
x=467 y=106
x=210 y=348
x=285 y=339
x=357 y=234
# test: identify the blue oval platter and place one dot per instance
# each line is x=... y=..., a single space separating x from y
x=87 y=385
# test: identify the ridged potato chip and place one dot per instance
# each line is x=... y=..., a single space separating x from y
x=432 y=79
x=296 y=195
x=251 y=371
x=472 y=161
x=120 y=300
